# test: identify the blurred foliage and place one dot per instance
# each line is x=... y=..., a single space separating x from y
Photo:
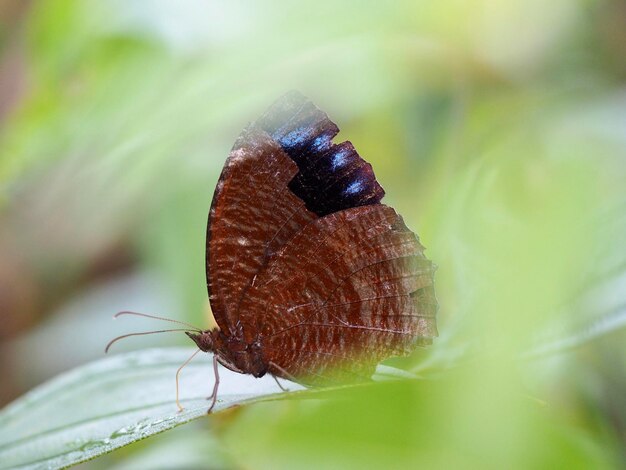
x=498 y=129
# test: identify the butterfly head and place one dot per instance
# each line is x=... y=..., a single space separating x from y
x=204 y=340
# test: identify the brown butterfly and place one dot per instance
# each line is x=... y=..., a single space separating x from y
x=310 y=277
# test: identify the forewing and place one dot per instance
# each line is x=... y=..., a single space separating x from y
x=252 y=203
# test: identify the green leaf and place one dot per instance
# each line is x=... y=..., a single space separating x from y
x=113 y=402
x=473 y=417
x=608 y=323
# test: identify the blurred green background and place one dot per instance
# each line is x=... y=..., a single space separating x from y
x=497 y=128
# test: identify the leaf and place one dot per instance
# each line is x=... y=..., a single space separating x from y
x=113 y=402
x=605 y=308
x=472 y=417
x=609 y=323
x=110 y=403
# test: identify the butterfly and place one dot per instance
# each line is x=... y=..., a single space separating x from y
x=310 y=277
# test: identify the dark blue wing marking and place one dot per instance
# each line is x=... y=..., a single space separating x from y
x=331 y=177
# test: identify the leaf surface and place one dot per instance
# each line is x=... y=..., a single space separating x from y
x=110 y=403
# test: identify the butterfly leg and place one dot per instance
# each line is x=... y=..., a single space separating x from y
x=180 y=407
x=285 y=374
x=213 y=396
x=279 y=384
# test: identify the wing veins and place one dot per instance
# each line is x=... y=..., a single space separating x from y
x=332 y=325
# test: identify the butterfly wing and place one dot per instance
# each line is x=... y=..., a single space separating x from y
x=303 y=260
x=252 y=203
x=282 y=173
x=349 y=290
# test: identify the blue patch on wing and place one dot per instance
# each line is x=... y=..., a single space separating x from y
x=353 y=188
x=295 y=138
x=338 y=160
x=331 y=177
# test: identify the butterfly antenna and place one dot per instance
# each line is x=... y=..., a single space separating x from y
x=180 y=407
x=114 y=340
x=138 y=314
